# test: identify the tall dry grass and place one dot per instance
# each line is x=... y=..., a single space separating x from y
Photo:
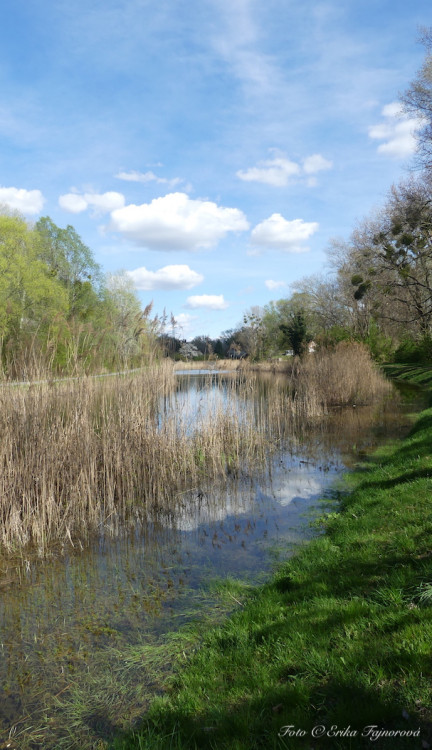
x=90 y=455
x=342 y=375
x=208 y=364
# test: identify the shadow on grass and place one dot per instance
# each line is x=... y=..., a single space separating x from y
x=272 y=721
x=409 y=476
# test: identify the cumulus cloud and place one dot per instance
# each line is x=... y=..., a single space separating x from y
x=134 y=176
x=276 y=233
x=28 y=202
x=209 y=301
x=280 y=170
x=100 y=203
x=73 y=203
x=270 y=284
x=176 y=222
x=398 y=131
x=168 y=277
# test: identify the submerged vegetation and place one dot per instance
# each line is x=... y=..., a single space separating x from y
x=339 y=639
x=86 y=456
x=86 y=637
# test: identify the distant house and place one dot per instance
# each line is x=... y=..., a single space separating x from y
x=310 y=347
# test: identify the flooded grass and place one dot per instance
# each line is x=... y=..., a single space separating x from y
x=336 y=646
x=207 y=478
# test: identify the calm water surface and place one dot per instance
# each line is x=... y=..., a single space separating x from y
x=79 y=635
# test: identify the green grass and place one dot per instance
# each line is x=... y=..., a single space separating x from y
x=416 y=374
x=341 y=636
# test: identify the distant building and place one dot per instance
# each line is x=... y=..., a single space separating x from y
x=310 y=348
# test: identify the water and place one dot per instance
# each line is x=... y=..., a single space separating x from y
x=78 y=635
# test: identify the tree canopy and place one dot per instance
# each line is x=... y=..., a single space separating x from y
x=57 y=312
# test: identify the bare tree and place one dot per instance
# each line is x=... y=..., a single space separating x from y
x=417 y=100
x=392 y=261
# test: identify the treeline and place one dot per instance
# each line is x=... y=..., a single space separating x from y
x=378 y=289
x=58 y=313
x=378 y=285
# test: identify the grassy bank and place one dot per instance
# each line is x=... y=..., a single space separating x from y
x=417 y=374
x=341 y=637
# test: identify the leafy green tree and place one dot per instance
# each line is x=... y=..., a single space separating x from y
x=72 y=263
x=33 y=303
x=280 y=313
x=296 y=332
x=128 y=325
x=219 y=348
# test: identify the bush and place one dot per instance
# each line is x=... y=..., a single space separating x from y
x=410 y=351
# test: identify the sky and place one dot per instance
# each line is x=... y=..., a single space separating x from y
x=212 y=149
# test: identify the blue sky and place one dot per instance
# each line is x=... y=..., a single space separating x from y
x=211 y=148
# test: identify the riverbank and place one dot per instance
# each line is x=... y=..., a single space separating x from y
x=338 y=641
x=416 y=374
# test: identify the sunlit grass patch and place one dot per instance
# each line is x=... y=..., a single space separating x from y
x=341 y=635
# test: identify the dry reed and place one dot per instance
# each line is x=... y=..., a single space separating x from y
x=343 y=375
x=86 y=456
x=208 y=364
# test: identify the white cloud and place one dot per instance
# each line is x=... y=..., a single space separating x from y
x=209 y=301
x=275 y=172
x=280 y=170
x=316 y=163
x=168 y=277
x=397 y=131
x=73 y=203
x=270 y=284
x=28 y=202
x=185 y=323
x=101 y=203
x=393 y=109
x=279 y=234
x=134 y=176
x=176 y=222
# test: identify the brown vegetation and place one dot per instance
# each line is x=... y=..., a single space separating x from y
x=209 y=364
x=342 y=375
x=86 y=456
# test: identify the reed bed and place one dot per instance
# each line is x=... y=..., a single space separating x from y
x=208 y=364
x=343 y=375
x=87 y=456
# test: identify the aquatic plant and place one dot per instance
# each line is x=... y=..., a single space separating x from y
x=87 y=456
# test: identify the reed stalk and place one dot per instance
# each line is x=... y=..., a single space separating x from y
x=87 y=456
